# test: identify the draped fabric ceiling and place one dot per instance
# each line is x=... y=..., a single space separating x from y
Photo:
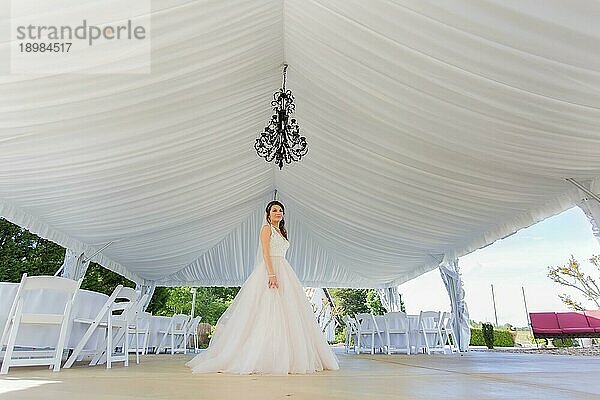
x=434 y=128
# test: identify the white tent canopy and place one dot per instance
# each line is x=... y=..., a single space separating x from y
x=434 y=128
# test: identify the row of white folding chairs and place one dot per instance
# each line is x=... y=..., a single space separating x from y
x=175 y=337
x=117 y=316
x=391 y=333
x=119 y=319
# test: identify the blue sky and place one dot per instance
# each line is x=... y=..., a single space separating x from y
x=519 y=260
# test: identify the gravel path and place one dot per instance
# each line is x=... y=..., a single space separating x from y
x=564 y=351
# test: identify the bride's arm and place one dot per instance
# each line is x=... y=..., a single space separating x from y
x=265 y=239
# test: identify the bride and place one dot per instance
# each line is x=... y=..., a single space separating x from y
x=270 y=326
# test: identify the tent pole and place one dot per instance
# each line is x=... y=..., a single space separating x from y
x=584 y=189
x=494 y=302
x=97 y=251
x=528 y=320
x=193 y=290
x=84 y=259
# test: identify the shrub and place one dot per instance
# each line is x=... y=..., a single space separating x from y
x=502 y=338
x=564 y=342
x=476 y=337
x=488 y=335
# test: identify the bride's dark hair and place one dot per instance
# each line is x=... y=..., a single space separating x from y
x=282 y=222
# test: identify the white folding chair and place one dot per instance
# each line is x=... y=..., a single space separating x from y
x=21 y=313
x=351 y=332
x=143 y=331
x=429 y=332
x=99 y=322
x=134 y=328
x=447 y=333
x=192 y=331
x=397 y=332
x=121 y=316
x=117 y=312
x=369 y=332
x=177 y=328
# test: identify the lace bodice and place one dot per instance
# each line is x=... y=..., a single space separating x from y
x=278 y=245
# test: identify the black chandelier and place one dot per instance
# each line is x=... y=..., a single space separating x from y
x=281 y=140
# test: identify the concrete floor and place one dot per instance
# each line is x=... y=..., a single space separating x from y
x=476 y=375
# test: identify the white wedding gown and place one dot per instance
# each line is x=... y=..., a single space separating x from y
x=272 y=331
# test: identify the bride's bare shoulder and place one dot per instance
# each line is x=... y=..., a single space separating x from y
x=265 y=234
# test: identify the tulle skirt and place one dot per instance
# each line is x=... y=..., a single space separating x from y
x=272 y=331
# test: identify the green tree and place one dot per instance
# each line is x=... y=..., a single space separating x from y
x=99 y=279
x=488 y=334
x=350 y=301
x=374 y=302
x=475 y=324
x=211 y=302
x=354 y=301
x=571 y=275
x=21 y=251
x=159 y=300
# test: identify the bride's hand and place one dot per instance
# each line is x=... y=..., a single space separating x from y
x=273 y=284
